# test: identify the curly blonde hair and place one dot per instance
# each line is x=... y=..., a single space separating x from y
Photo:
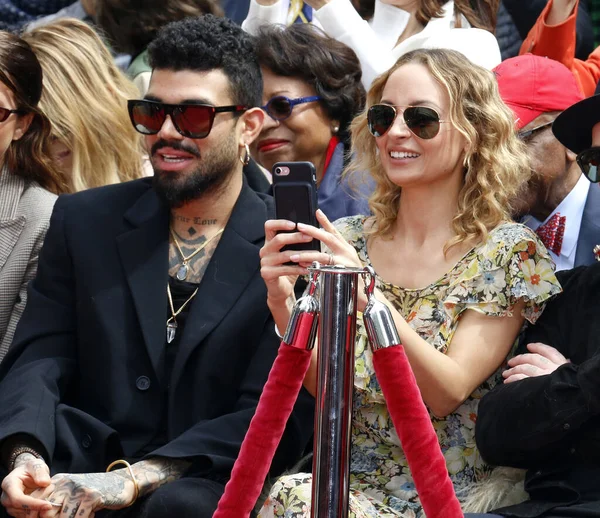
x=496 y=165
x=85 y=98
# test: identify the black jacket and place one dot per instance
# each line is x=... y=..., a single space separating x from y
x=85 y=373
x=550 y=425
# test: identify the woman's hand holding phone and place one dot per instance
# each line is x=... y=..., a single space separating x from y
x=280 y=278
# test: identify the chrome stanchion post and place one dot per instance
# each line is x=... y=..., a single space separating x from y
x=337 y=332
x=378 y=320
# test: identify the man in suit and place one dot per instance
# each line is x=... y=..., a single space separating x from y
x=146 y=336
x=558 y=203
x=545 y=418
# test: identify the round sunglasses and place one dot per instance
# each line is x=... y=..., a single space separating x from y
x=5 y=113
x=589 y=162
x=190 y=120
x=280 y=107
x=423 y=122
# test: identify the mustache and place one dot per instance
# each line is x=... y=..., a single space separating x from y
x=176 y=145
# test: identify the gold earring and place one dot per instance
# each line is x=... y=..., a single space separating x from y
x=245 y=159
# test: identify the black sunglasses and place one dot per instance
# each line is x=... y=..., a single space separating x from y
x=589 y=161
x=528 y=134
x=422 y=121
x=190 y=120
x=280 y=108
x=5 y=113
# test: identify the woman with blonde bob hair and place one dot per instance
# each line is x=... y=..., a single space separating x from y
x=85 y=97
x=459 y=277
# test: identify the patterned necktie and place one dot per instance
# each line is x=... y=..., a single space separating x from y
x=299 y=12
x=552 y=233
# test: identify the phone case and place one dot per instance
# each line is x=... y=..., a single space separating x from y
x=295 y=193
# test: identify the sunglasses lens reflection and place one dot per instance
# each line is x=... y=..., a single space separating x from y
x=147 y=118
x=422 y=121
x=380 y=119
x=4 y=113
x=279 y=108
x=589 y=161
x=194 y=121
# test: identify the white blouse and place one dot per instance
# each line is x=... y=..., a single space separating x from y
x=375 y=41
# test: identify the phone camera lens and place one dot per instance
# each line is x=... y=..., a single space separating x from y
x=278 y=170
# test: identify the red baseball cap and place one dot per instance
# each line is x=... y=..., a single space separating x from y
x=531 y=85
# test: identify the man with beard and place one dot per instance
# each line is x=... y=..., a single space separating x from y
x=147 y=339
x=558 y=202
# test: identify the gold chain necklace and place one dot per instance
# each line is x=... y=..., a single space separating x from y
x=172 y=320
x=184 y=269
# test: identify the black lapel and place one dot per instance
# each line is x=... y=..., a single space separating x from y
x=589 y=232
x=232 y=266
x=144 y=252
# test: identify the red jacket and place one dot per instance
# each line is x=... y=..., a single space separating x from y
x=558 y=42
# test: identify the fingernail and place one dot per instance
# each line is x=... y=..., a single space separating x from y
x=320 y=212
x=302 y=225
x=294 y=257
x=290 y=224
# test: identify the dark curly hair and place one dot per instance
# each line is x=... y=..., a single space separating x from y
x=330 y=67
x=28 y=157
x=208 y=43
x=132 y=24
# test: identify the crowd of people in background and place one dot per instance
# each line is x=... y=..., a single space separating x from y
x=144 y=277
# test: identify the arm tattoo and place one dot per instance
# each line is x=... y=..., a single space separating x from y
x=153 y=473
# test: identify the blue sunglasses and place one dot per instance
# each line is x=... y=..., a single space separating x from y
x=280 y=108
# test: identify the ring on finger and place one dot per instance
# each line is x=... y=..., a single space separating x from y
x=331 y=259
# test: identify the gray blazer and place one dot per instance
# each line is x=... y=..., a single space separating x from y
x=25 y=210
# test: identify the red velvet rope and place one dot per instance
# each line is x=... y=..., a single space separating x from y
x=416 y=433
x=266 y=429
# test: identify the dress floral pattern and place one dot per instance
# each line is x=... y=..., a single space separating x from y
x=512 y=264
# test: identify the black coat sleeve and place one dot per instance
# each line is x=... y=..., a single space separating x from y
x=213 y=444
x=42 y=358
x=524 y=15
x=521 y=423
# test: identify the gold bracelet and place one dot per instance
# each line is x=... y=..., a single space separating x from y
x=134 y=480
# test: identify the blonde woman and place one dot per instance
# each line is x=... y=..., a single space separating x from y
x=85 y=97
x=458 y=275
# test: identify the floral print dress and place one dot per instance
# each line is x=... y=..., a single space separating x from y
x=512 y=264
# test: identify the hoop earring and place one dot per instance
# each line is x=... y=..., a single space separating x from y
x=245 y=160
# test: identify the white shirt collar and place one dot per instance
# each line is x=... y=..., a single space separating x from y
x=389 y=22
x=572 y=208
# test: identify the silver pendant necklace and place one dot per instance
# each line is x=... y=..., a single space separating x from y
x=184 y=269
x=172 y=320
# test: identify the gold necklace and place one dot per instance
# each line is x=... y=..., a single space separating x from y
x=172 y=320
x=184 y=269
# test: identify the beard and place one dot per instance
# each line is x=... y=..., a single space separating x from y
x=217 y=166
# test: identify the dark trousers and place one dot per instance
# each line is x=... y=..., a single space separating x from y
x=183 y=498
